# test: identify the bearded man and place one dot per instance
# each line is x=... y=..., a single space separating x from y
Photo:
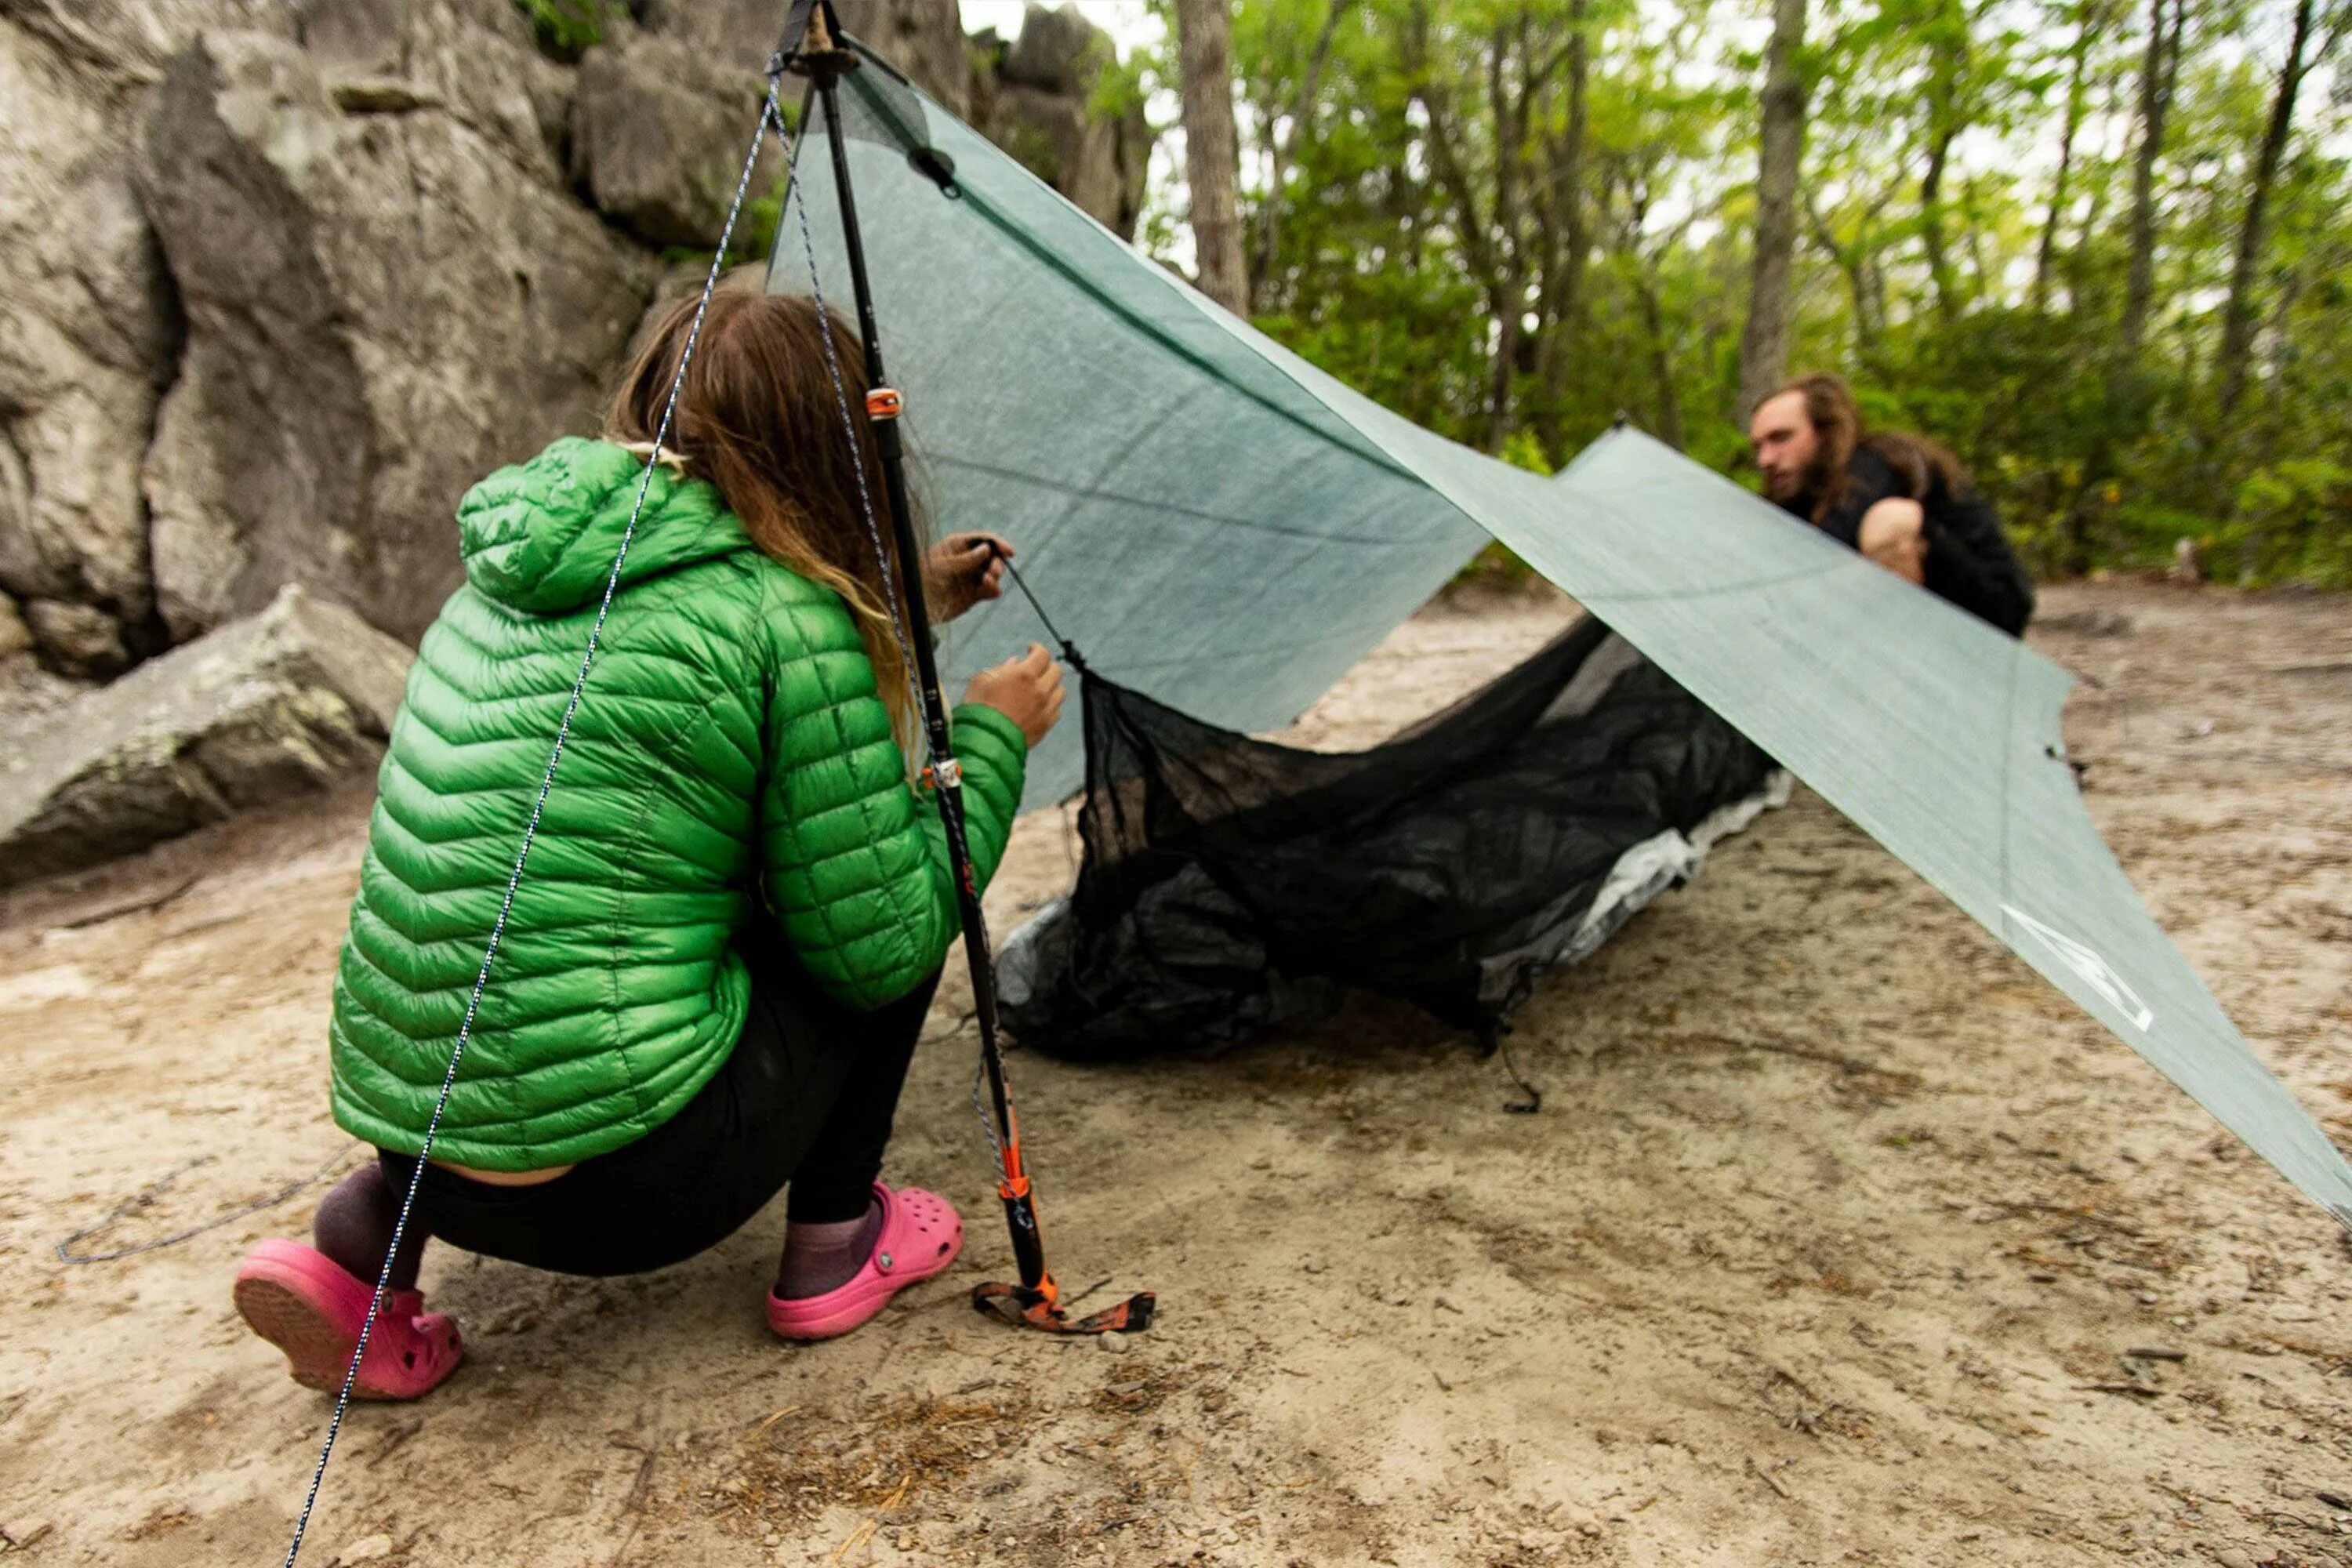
x=1901 y=499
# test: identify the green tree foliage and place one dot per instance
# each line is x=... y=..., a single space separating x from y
x=569 y=28
x=1515 y=220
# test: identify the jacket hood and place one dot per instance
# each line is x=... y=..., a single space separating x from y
x=540 y=537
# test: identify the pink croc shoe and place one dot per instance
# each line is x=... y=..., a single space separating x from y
x=921 y=1236
x=306 y=1304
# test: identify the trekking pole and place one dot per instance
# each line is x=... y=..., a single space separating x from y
x=811 y=48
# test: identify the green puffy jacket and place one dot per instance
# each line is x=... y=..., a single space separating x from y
x=730 y=739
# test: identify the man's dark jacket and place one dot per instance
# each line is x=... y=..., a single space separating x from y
x=1969 y=561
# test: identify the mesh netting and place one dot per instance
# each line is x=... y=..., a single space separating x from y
x=1230 y=884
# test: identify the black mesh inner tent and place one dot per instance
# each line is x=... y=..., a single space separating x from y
x=1229 y=884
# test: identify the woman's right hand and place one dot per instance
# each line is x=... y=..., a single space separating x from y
x=1027 y=691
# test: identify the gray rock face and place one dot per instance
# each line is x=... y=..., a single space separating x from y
x=924 y=38
x=1099 y=164
x=739 y=32
x=344 y=235
x=1033 y=98
x=127 y=42
x=472 y=60
x=27 y=689
x=86 y=328
x=16 y=637
x=85 y=638
x=263 y=709
x=279 y=277
x=89 y=326
x=1058 y=51
x=658 y=135
x=380 y=305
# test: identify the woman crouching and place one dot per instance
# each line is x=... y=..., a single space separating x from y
x=735 y=912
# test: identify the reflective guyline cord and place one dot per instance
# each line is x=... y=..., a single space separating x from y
x=531 y=830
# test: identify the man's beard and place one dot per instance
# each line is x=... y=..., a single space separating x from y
x=1814 y=482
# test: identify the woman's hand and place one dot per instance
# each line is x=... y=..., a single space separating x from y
x=961 y=570
x=1027 y=691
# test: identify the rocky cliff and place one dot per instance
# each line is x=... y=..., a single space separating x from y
x=279 y=279
x=276 y=276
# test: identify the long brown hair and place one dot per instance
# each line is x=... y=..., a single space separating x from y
x=1839 y=427
x=758 y=416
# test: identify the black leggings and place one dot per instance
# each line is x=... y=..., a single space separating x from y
x=807 y=1096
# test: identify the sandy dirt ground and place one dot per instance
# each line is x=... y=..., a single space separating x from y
x=1835 y=1241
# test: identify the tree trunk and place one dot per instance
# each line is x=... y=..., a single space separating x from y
x=2238 y=318
x=1563 y=284
x=1931 y=224
x=2157 y=73
x=2159 y=70
x=1852 y=264
x=1282 y=145
x=1764 y=344
x=1482 y=245
x=1508 y=288
x=2094 y=211
x=1944 y=127
x=2078 y=69
x=1212 y=158
x=2262 y=442
x=1662 y=363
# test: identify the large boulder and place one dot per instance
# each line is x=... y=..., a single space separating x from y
x=735 y=32
x=339 y=265
x=86 y=341
x=127 y=42
x=1036 y=98
x=1058 y=51
x=27 y=688
x=473 y=60
x=266 y=708
x=89 y=330
x=1097 y=163
x=83 y=638
x=16 y=637
x=658 y=135
x=386 y=294
x=923 y=39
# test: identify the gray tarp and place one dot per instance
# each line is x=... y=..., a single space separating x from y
x=1215 y=522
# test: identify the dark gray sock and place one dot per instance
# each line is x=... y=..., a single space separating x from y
x=353 y=1226
x=821 y=1258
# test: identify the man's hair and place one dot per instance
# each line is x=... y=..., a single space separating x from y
x=1841 y=431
